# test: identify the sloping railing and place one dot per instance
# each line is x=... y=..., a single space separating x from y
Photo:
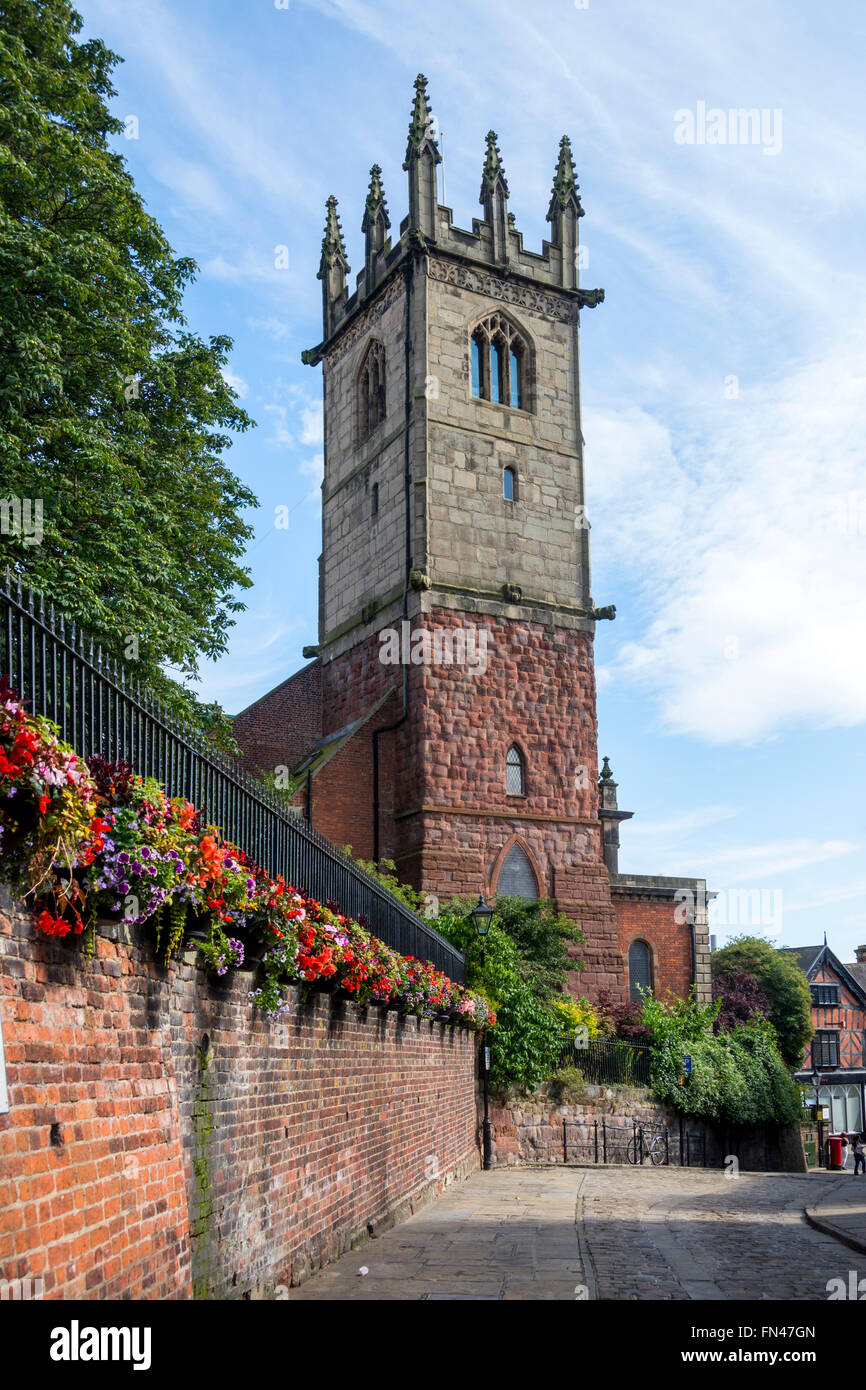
x=613 y=1063
x=100 y=709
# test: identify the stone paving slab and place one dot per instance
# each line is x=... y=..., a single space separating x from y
x=841 y=1212
x=563 y=1233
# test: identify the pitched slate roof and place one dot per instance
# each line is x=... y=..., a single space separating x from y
x=805 y=956
x=810 y=957
x=858 y=971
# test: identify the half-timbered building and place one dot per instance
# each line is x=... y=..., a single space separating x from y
x=834 y=1061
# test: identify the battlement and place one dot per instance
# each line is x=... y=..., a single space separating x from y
x=493 y=243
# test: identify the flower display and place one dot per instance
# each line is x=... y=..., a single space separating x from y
x=94 y=840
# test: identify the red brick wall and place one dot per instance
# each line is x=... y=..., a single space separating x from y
x=281 y=728
x=652 y=920
x=226 y=1171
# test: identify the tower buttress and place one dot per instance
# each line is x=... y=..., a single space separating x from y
x=375 y=227
x=494 y=199
x=563 y=214
x=333 y=269
x=422 y=156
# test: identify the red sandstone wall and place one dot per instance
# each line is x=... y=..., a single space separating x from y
x=652 y=920
x=224 y=1171
x=445 y=815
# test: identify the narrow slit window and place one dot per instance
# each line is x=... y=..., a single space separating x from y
x=375 y=498
x=639 y=970
x=508 y=488
x=514 y=770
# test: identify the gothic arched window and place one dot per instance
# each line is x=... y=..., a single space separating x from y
x=371 y=390
x=639 y=970
x=515 y=779
x=517 y=876
x=500 y=363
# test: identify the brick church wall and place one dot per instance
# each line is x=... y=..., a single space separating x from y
x=652 y=920
x=281 y=728
x=134 y=1164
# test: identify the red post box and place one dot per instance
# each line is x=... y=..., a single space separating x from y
x=835 y=1142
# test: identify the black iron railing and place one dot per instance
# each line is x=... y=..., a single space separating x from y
x=611 y=1063
x=101 y=709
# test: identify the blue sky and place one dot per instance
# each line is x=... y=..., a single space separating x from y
x=723 y=378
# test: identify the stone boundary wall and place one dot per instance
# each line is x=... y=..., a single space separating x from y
x=165 y=1142
x=540 y=1129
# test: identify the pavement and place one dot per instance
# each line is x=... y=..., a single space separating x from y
x=565 y=1233
x=841 y=1212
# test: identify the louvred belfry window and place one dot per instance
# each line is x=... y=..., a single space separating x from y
x=371 y=390
x=500 y=363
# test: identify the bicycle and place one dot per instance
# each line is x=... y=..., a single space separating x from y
x=638 y=1149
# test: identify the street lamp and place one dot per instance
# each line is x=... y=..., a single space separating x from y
x=482 y=916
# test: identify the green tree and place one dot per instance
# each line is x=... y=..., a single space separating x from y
x=543 y=936
x=525 y=1044
x=782 y=983
x=111 y=411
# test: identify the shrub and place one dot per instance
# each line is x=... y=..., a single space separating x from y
x=575 y=1013
x=780 y=980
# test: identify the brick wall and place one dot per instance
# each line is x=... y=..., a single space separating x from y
x=281 y=728
x=652 y=921
x=164 y=1142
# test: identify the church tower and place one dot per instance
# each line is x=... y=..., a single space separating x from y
x=456 y=619
x=447 y=719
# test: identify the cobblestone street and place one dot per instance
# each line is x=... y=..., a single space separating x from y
x=615 y=1233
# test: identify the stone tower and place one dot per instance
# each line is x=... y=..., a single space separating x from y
x=456 y=622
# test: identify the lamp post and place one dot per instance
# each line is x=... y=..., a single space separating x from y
x=482 y=915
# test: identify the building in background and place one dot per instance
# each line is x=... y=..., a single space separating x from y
x=447 y=719
x=835 y=1059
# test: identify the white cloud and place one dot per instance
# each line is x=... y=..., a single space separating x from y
x=281 y=436
x=271 y=326
x=314 y=468
x=749 y=552
x=237 y=383
x=746 y=863
x=312 y=424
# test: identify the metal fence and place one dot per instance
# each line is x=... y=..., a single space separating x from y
x=102 y=710
x=616 y=1141
x=610 y=1063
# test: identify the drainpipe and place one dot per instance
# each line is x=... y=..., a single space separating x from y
x=407 y=494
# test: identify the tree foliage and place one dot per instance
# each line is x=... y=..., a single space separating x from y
x=525 y=1044
x=542 y=935
x=782 y=983
x=112 y=412
x=742 y=999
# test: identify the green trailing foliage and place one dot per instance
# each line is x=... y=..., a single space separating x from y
x=525 y=1044
x=113 y=415
x=738 y=1077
